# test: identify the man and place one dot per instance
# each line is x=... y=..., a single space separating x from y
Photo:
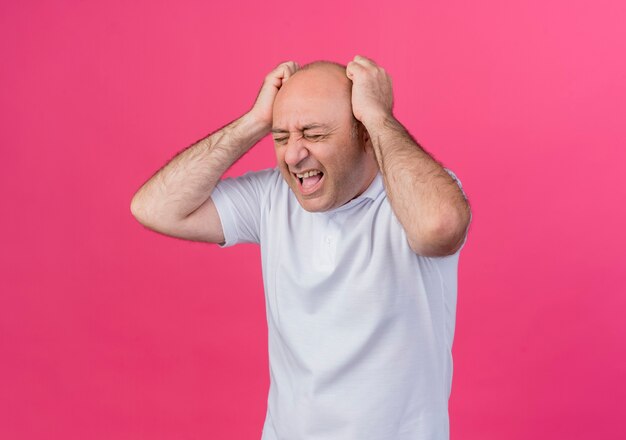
x=360 y=233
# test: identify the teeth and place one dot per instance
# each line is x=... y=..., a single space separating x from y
x=308 y=174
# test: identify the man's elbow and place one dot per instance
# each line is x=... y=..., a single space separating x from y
x=136 y=209
x=441 y=240
x=142 y=214
x=435 y=247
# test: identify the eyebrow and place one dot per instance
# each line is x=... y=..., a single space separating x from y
x=305 y=127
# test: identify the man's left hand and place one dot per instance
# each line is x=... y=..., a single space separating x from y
x=372 y=94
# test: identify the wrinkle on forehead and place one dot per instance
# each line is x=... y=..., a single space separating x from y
x=307 y=126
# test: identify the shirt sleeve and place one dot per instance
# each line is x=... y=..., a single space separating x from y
x=239 y=203
x=456 y=179
x=458 y=182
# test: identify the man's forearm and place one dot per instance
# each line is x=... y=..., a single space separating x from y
x=187 y=181
x=427 y=201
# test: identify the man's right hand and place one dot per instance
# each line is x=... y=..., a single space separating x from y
x=263 y=106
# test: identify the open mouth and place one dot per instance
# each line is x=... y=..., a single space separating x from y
x=310 y=183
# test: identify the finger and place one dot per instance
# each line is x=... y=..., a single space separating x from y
x=286 y=65
x=353 y=68
x=294 y=67
x=289 y=72
x=365 y=61
x=277 y=76
x=291 y=67
x=284 y=72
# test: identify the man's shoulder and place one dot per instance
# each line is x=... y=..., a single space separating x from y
x=264 y=173
x=263 y=178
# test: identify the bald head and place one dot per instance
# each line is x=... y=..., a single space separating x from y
x=321 y=76
x=314 y=128
x=321 y=79
x=324 y=65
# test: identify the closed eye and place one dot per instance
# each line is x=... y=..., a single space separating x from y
x=314 y=137
x=308 y=136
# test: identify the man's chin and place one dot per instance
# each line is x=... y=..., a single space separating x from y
x=311 y=205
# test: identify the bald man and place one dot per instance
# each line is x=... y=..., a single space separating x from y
x=360 y=232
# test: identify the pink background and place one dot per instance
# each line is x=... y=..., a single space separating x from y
x=111 y=331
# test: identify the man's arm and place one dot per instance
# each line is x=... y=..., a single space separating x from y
x=176 y=199
x=427 y=201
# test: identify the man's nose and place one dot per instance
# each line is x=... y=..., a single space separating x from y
x=296 y=151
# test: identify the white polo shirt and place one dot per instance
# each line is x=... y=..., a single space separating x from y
x=360 y=327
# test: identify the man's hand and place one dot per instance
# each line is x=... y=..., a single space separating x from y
x=426 y=200
x=176 y=200
x=262 y=109
x=372 y=94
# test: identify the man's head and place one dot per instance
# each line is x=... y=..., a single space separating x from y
x=314 y=129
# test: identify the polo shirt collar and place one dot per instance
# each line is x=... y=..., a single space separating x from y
x=375 y=188
x=372 y=192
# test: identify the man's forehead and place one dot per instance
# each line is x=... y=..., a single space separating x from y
x=303 y=127
x=312 y=99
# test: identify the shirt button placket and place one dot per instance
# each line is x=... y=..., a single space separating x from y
x=331 y=240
